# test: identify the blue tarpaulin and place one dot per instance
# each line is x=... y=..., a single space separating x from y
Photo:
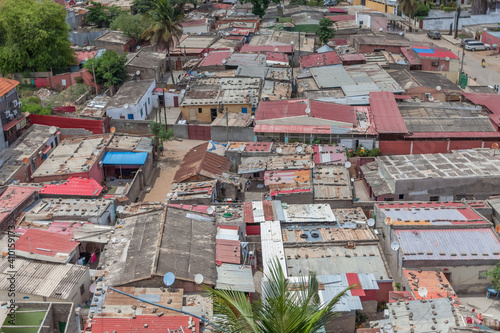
x=124 y=158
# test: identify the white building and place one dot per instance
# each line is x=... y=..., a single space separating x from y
x=134 y=100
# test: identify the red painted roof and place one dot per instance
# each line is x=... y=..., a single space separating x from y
x=222 y=6
x=258 y=146
x=41 y=239
x=154 y=324
x=12 y=123
x=264 y=128
x=434 y=282
x=82 y=55
x=410 y=55
x=434 y=52
x=215 y=58
x=396 y=296
x=339 y=41
x=248 y=212
x=61 y=228
x=336 y=10
x=266 y=48
x=338 y=18
x=227 y=251
x=353 y=279
x=228 y=227
x=333 y=155
x=297 y=107
x=320 y=59
x=386 y=115
x=489 y=101
x=7 y=85
x=446 y=135
x=275 y=56
x=353 y=57
x=74 y=186
x=12 y=197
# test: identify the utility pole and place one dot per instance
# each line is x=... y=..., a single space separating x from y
x=164 y=109
x=459 y=9
x=463 y=56
x=227 y=126
x=95 y=82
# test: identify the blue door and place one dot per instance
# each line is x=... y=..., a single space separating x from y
x=244 y=110
x=130 y=116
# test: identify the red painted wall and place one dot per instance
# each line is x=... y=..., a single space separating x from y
x=380 y=295
x=395 y=147
x=93 y=125
x=489 y=39
x=443 y=65
x=97 y=172
x=253 y=229
x=429 y=147
x=41 y=82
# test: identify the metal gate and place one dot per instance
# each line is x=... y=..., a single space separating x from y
x=198 y=132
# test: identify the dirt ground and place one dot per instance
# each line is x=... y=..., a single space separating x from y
x=167 y=167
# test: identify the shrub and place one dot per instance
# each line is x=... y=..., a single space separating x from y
x=79 y=79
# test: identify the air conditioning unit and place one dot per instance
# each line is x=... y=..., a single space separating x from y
x=435 y=63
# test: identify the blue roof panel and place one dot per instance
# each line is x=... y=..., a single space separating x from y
x=124 y=158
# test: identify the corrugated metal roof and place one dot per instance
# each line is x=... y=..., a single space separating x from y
x=45 y=245
x=13 y=197
x=7 y=85
x=124 y=158
x=386 y=115
x=227 y=251
x=235 y=277
x=331 y=76
x=144 y=323
x=272 y=245
x=449 y=244
x=215 y=58
x=43 y=279
x=436 y=283
x=74 y=186
x=319 y=60
x=490 y=101
x=432 y=216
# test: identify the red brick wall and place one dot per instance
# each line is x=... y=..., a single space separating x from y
x=443 y=65
x=395 y=147
x=489 y=39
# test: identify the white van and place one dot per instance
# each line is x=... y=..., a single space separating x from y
x=477 y=46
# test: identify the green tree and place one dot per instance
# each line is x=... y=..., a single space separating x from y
x=259 y=7
x=165 y=29
x=102 y=15
x=422 y=10
x=132 y=25
x=160 y=134
x=298 y=2
x=287 y=307
x=34 y=105
x=109 y=68
x=141 y=6
x=494 y=275
x=325 y=31
x=408 y=7
x=33 y=36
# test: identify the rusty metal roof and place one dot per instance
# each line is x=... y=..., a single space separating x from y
x=200 y=162
x=7 y=85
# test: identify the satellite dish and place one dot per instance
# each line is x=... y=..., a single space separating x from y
x=485 y=29
x=183 y=91
x=401 y=33
x=380 y=29
x=371 y=222
x=495 y=146
x=87 y=59
x=388 y=221
x=52 y=130
x=112 y=129
x=497 y=228
x=138 y=47
x=25 y=160
x=298 y=149
x=438 y=88
x=210 y=210
x=205 y=54
x=92 y=288
x=431 y=99
x=198 y=278
x=241 y=148
x=138 y=73
x=279 y=150
x=447 y=58
x=395 y=246
x=276 y=49
x=422 y=292
x=224 y=61
x=88 y=48
x=308 y=110
x=96 y=152
x=169 y=279
x=125 y=105
x=347 y=164
x=119 y=209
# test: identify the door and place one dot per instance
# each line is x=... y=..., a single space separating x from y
x=192 y=113
x=176 y=101
x=213 y=113
x=244 y=110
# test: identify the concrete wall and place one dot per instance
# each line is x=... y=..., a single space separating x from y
x=196 y=29
x=296 y=198
x=202 y=113
x=181 y=131
x=443 y=23
x=218 y=133
x=117 y=47
x=85 y=38
x=140 y=127
x=141 y=110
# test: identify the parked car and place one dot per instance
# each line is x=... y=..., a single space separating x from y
x=466 y=40
x=477 y=46
x=434 y=34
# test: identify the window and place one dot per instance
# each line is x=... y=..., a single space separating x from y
x=130 y=116
x=253 y=110
x=482 y=275
x=142 y=113
x=434 y=199
x=200 y=110
x=388 y=199
x=401 y=197
x=82 y=289
x=149 y=101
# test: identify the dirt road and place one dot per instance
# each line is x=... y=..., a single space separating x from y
x=167 y=167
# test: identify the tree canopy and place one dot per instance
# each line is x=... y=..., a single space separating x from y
x=165 y=27
x=132 y=25
x=325 y=31
x=141 y=6
x=102 y=15
x=259 y=7
x=109 y=68
x=494 y=274
x=33 y=36
x=286 y=307
x=408 y=7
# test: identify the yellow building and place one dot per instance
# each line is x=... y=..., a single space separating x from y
x=380 y=5
x=207 y=97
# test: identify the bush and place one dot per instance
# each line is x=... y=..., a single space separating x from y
x=79 y=79
x=449 y=9
x=422 y=10
x=441 y=6
x=33 y=105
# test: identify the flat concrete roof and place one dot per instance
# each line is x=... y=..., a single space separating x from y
x=130 y=93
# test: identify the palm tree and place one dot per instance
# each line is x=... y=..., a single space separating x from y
x=408 y=7
x=165 y=29
x=286 y=307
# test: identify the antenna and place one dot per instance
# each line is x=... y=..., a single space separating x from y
x=371 y=222
x=52 y=130
x=395 y=246
x=279 y=150
x=438 y=88
x=422 y=292
x=298 y=149
x=198 y=278
x=169 y=279
x=210 y=210
x=347 y=164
